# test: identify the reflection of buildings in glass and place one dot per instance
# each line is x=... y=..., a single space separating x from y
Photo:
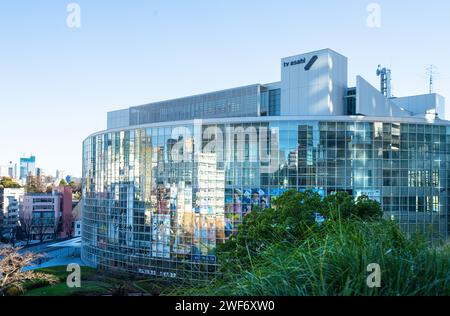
x=184 y=232
x=237 y=205
x=120 y=215
x=293 y=160
x=275 y=137
x=161 y=235
x=172 y=198
x=184 y=222
x=209 y=189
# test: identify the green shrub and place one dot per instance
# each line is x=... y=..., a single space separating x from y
x=13 y=291
x=35 y=284
x=283 y=251
x=291 y=219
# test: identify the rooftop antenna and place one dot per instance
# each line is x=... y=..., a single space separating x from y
x=431 y=73
x=385 y=75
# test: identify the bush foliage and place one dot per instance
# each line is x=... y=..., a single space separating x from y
x=283 y=250
x=292 y=219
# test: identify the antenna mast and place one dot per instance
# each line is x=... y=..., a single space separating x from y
x=431 y=73
x=385 y=75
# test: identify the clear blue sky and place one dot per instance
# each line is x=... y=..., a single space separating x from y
x=57 y=83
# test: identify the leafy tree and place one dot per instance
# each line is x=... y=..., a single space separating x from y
x=63 y=183
x=333 y=261
x=76 y=189
x=367 y=208
x=74 y=185
x=8 y=183
x=287 y=250
x=49 y=189
x=342 y=205
x=292 y=219
x=34 y=185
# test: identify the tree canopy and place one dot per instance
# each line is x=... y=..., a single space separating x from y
x=8 y=183
x=293 y=217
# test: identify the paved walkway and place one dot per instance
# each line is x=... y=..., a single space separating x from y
x=57 y=262
x=57 y=254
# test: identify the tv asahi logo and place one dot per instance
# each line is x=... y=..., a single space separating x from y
x=295 y=62
x=301 y=61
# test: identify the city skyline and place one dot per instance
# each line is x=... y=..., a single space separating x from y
x=57 y=82
x=14 y=166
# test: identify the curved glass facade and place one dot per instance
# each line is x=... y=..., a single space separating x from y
x=158 y=199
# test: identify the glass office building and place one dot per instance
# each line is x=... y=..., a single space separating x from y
x=27 y=167
x=167 y=182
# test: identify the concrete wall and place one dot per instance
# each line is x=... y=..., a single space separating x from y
x=422 y=104
x=316 y=90
x=371 y=102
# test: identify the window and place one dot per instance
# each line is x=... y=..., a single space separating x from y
x=264 y=103
x=274 y=102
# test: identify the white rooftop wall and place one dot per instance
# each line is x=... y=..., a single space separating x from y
x=423 y=104
x=318 y=90
x=371 y=102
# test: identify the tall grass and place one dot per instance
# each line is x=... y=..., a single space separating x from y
x=333 y=261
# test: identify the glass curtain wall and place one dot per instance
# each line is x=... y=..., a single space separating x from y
x=157 y=201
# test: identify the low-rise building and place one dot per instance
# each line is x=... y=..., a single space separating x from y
x=10 y=203
x=67 y=228
x=48 y=216
x=41 y=215
x=76 y=213
x=77 y=228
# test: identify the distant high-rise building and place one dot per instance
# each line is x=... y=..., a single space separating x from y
x=59 y=175
x=27 y=167
x=9 y=170
x=4 y=171
x=40 y=172
x=12 y=170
